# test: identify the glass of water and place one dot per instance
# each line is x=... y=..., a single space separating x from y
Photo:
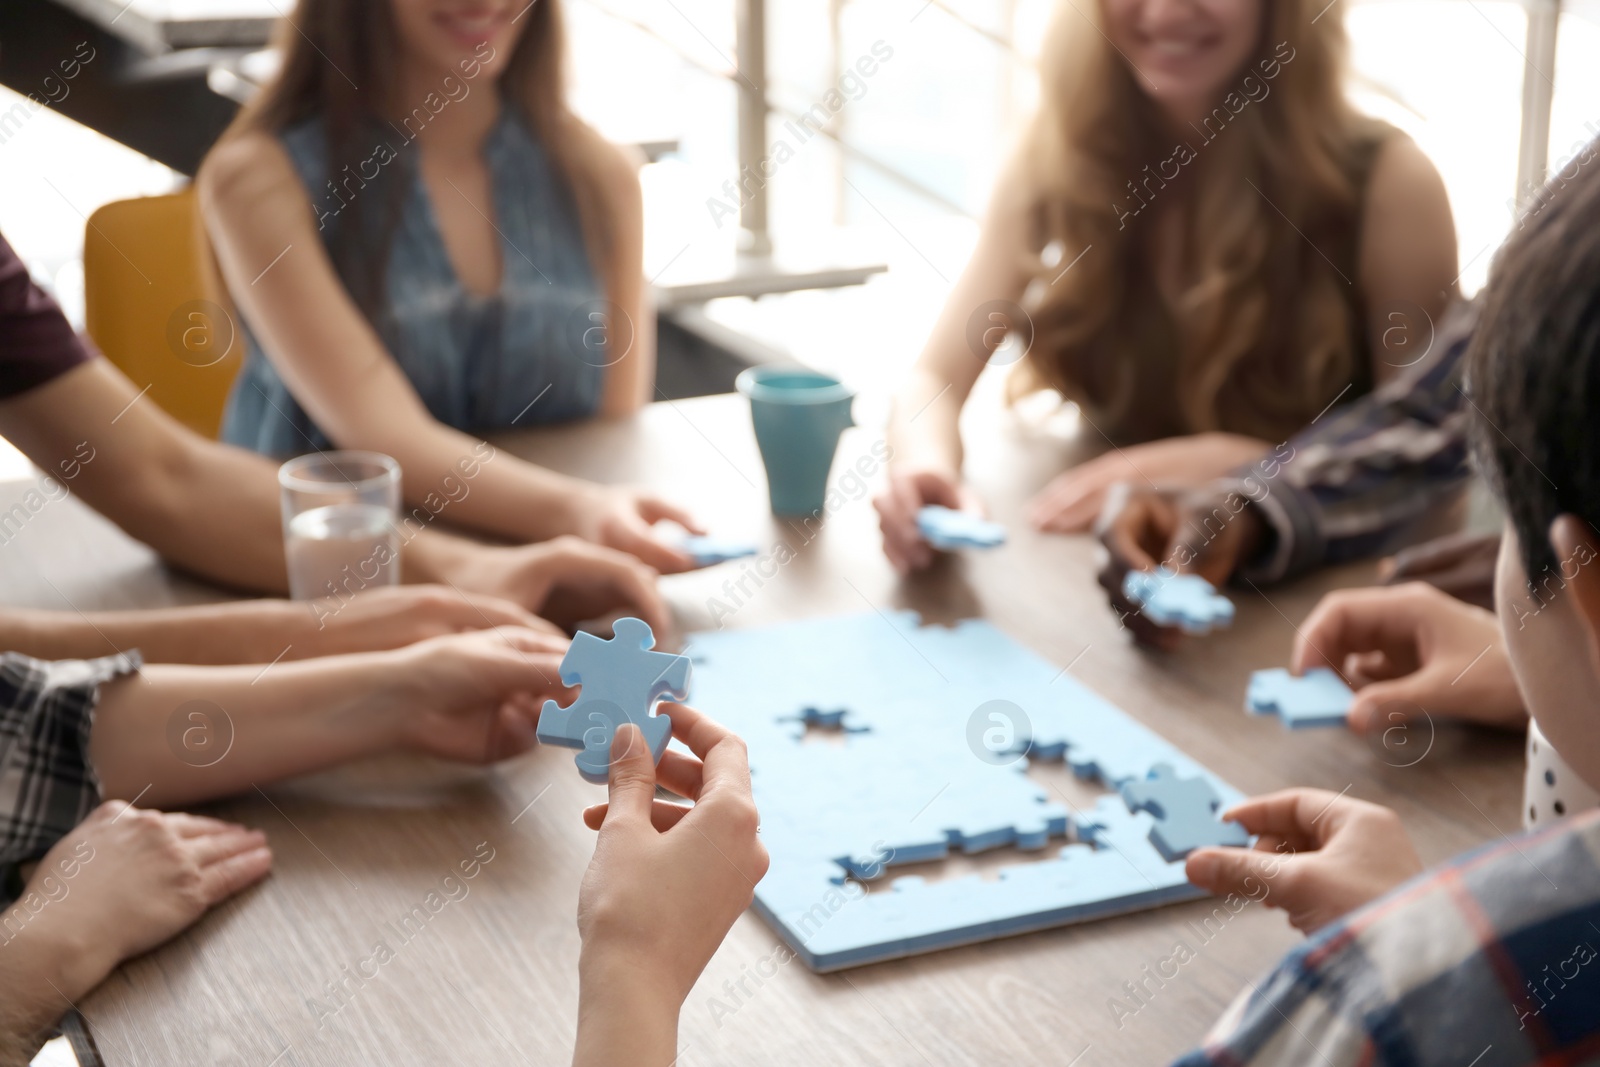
x=339 y=523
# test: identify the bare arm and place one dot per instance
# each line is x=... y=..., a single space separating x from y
x=181 y=734
x=925 y=423
x=1408 y=256
x=210 y=509
x=924 y=427
x=630 y=381
x=338 y=369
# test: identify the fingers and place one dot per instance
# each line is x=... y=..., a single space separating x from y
x=631 y=788
x=1070 y=503
x=186 y=825
x=1243 y=871
x=723 y=753
x=533 y=642
x=223 y=878
x=663 y=815
x=212 y=847
x=653 y=510
x=480 y=612
x=683 y=775
x=1133 y=525
x=1303 y=817
x=637 y=588
x=514 y=730
x=635 y=539
x=1354 y=621
x=897 y=517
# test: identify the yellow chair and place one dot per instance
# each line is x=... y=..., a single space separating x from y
x=154 y=304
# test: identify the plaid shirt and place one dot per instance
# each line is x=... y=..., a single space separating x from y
x=1490 y=961
x=1358 y=480
x=47 y=785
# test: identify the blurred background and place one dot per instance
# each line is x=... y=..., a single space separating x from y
x=867 y=222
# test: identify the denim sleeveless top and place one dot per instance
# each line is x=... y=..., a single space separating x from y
x=478 y=363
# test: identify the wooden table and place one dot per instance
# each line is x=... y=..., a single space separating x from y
x=490 y=977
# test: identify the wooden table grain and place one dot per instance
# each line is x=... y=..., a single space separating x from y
x=369 y=946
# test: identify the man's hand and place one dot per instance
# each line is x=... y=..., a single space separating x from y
x=122 y=882
x=1209 y=532
x=1411 y=650
x=1318 y=855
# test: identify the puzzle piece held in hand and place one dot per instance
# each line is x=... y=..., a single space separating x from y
x=621 y=680
x=949 y=530
x=1186 y=601
x=707 y=550
x=1318 y=698
x=1185 y=810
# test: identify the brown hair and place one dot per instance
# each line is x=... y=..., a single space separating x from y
x=338 y=63
x=1265 y=322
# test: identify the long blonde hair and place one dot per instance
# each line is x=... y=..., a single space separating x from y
x=339 y=64
x=1265 y=319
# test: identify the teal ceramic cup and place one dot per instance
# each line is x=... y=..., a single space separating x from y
x=798 y=416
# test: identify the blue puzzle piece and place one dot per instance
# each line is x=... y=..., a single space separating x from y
x=1185 y=812
x=1183 y=600
x=621 y=680
x=949 y=530
x=937 y=766
x=707 y=550
x=1318 y=698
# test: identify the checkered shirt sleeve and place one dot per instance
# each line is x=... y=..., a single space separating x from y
x=47 y=785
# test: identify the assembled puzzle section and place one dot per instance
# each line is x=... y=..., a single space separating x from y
x=1186 y=601
x=1317 y=698
x=936 y=721
x=951 y=531
x=622 y=680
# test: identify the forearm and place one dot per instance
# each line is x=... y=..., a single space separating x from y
x=185 y=734
x=205 y=507
x=925 y=425
x=253 y=631
x=624 y=1018
x=42 y=972
x=449 y=473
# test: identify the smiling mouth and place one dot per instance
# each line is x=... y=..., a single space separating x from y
x=1176 y=48
x=471 y=29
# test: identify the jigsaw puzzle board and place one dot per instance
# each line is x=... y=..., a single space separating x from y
x=932 y=719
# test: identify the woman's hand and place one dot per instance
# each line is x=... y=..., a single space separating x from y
x=622 y=518
x=666 y=883
x=378 y=619
x=1318 y=855
x=473 y=697
x=1071 y=502
x=122 y=882
x=1409 y=650
x=569 y=581
x=909 y=490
